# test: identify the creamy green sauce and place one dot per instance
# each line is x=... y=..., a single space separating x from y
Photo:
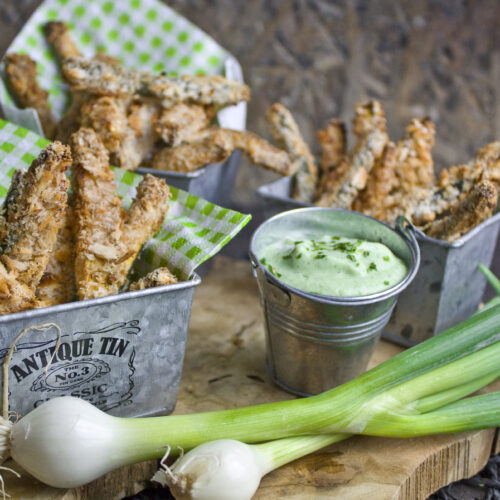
x=334 y=265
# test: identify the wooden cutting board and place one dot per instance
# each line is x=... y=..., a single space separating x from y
x=224 y=368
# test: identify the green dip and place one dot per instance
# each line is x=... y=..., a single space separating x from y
x=334 y=265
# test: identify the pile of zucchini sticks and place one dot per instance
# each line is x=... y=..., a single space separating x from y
x=66 y=442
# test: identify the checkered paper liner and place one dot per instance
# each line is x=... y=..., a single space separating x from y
x=144 y=34
x=193 y=231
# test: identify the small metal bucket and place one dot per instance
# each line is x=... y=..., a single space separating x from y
x=315 y=342
x=448 y=287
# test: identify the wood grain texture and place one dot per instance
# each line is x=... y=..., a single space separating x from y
x=224 y=368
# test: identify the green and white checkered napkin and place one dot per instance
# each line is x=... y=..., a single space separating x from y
x=144 y=34
x=193 y=231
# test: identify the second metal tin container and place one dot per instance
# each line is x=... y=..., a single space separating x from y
x=315 y=342
x=213 y=183
x=123 y=353
x=448 y=287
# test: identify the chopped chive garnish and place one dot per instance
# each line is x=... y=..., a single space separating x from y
x=319 y=256
x=298 y=256
x=366 y=253
x=263 y=261
x=372 y=266
x=386 y=283
x=351 y=257
x=336 y=238
x=386 y=258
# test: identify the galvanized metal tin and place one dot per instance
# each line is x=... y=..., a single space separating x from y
x=448 y=287
x=315 y=342
x=213 y=183
x=123 y=353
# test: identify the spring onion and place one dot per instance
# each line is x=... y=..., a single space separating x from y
x=67 y=442
x=231 y=470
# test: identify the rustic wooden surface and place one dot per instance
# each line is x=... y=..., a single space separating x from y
x=224 y=368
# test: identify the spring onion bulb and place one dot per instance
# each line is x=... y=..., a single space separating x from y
x=231 y=470
x=66 y=442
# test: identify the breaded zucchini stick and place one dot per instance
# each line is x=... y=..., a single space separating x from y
x=143 y=221
x=405 y=171
x=333 y=143
x=126 y=130
x=57 y=34
x=107 y=116
x=141 y=136
x=191 y=156
x=217 y=146
x=181 y=122
x=455 y=183
x=476 y=207
x=415 y=165
x=99 y=217
x=35 y=216
x=286 y=134
x=14 y=295
x=212 y=90
x=57 y=285
x=11 y=200
x=373 y=200
x=369 y=115
x=370 y=129
x=21 y=74
x=100 y=78
x=159 y=277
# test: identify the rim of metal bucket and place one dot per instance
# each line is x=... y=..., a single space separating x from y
x=403 y=228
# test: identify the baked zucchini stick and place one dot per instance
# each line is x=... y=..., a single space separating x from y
x=21 y=74
x=11 y=201
x=333 y=142
x=99 y=217
x=159 y=277
x=181 y=122
x=143 y=221
x=125 y=130
x=375 y=198
x=369 y=127
x=101 y=78
x=35 y=216
x=286 y=134
x=456 y=182
x=415 y=165
x=191 y=156
x=476 y=207
x=14 y=295
x=107 y=116
x=218 y=145
x=57 y=285
x=57 y=34
x=139 y=140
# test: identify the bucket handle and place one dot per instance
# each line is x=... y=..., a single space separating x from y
x=408 y=232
